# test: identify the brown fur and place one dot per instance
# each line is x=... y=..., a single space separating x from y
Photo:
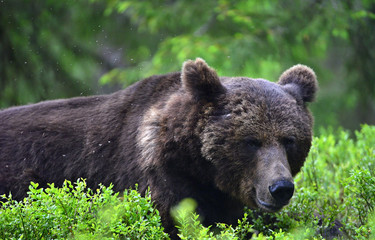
x=222 y=141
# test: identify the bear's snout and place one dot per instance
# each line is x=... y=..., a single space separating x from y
x=282 y=191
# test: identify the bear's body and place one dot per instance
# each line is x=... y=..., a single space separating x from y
x=226 y=142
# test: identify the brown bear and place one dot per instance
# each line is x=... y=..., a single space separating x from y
x=226 y=142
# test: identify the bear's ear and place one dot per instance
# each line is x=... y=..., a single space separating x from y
x=201 y=81
x=300 y=81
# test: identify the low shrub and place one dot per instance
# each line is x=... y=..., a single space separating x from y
x=76 y=212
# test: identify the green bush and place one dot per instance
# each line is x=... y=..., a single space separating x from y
x=76 y=212
x=335 y=193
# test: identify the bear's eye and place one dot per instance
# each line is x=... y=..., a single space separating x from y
x=288 y=142
x=252 y=143
x=220 y=115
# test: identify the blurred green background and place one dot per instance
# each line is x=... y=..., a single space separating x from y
x=56 y=49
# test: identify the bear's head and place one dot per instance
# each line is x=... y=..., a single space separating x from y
x=256 y=133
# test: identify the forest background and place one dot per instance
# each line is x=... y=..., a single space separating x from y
x=58 y=49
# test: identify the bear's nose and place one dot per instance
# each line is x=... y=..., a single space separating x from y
x=282 y=191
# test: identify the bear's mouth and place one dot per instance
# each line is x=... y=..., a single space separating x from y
x=268 y=207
